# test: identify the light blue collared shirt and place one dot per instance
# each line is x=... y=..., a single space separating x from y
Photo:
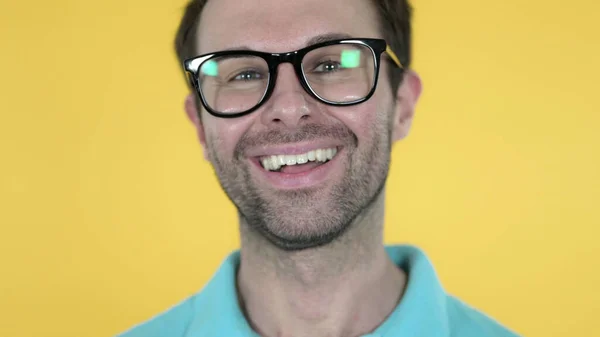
x=425 y=310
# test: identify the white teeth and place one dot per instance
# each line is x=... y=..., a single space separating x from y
x=275 y=162
x=290 y=160
x=266 y=163
x=280 y=160
x=302 y=159
x=320 y=155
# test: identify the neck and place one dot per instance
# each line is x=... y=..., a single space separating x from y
x=345 y=288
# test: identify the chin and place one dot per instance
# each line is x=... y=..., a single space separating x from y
x=304 y=227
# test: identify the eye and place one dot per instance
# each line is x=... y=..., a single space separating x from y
x=327 y=67
x=248 y=75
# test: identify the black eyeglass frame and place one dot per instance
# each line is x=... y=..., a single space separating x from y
x=273 y=60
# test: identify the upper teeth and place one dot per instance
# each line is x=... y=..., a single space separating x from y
x=273 y=163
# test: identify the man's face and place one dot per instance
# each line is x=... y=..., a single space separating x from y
x=309 y=205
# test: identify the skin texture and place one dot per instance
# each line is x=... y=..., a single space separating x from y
x=313 y=261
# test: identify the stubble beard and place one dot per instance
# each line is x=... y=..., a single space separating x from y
x=311 y=217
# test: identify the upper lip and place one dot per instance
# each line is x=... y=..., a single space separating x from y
x=290 y=149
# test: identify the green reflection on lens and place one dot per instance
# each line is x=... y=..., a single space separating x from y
x=350 y=58
x=210 y=68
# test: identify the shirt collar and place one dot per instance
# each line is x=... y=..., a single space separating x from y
x=422 y=309
x=421 y=312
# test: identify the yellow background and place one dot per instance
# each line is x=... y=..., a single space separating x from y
x=109 y=215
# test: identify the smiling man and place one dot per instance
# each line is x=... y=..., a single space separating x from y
x=297 y=105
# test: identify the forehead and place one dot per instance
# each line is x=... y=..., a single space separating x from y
x=281 y=25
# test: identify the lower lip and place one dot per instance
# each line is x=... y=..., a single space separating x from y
x=310 y=178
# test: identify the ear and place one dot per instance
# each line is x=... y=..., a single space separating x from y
x=406 y=98
x=191 y=109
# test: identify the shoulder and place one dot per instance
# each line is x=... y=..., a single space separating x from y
x=173 y=322
x=211 y=309
x=466 y=321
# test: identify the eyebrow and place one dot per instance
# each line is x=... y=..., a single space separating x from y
x=314 y=40
x=328 y=37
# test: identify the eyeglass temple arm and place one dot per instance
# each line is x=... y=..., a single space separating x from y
x=393 y=56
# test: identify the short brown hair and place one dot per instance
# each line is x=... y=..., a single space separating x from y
x=395 y=25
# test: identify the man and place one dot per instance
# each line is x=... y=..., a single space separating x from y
x=297 y=105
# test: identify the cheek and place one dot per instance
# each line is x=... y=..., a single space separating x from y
x=222 y=134
x=365 y=120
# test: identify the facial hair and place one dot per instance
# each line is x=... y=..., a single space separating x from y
x=309 y=217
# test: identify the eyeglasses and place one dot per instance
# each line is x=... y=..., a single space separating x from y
x=339 y=73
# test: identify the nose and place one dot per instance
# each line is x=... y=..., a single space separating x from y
x=289 y=105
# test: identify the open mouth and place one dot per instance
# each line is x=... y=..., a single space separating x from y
x=297 y=163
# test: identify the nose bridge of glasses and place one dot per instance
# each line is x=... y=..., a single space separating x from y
x=287 y=79
x=278 y=59
x=289 y=57
x=278 y=62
